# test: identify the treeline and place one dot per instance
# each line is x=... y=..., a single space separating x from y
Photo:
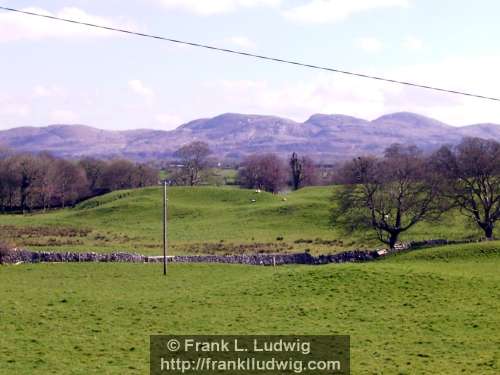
x=42 y=181
x=271 y=173
x=266 y=171
x=393 y=193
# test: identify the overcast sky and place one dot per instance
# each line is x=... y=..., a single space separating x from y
x=59 y=73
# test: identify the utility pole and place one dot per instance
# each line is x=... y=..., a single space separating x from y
x=165 y=227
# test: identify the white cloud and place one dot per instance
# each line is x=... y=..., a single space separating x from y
x=63 y=116
x=12 y=106
x=241 y=42
x=211 y=7
x=41 y=91
x=334 y=93
x=139 y=88
x=168 y=121
x=14 y=26
x=329 y=11
x=326 y=93
x=412 y=43
x=369 y=44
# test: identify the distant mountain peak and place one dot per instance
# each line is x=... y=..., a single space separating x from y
x=324 y=137
x=322 y=116
x=404 y=114
x=410 y=118
x=323 y=120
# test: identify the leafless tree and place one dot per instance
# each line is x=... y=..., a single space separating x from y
x=193 y=157
x=70 y=181
x=118 y=175
x=9 y=183
x=46 y=184
x=266 y=172
x=471 y=173
x=302 y=170
x=390 y=194
x=94 y=169
x=26 y=170
x=144 y=176
x=42 y=181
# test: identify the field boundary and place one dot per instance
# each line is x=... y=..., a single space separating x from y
x=19 y=256
x=25 y=256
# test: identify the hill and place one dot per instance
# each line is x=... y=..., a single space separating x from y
x=327 y=138
x=206 y=220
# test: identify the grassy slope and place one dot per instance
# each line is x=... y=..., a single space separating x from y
x=131 y=221
x=431 y=311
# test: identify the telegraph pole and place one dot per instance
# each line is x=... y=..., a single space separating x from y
x=165 y=227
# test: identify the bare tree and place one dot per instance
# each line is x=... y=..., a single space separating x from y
x=71 y=182
x=94 y=170
x=194 y=157
x=303 y=171
x=26 y=181
x=4 y=185
x=118 y=175
x=46 y=184
x=471 y=174
x=267 y=172
x=42 y=181
x=8 y=183
x=27 y=171
x=390 y=195
x=144 y=176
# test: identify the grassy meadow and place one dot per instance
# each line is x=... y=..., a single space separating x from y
x=433 y=311
x=206 y=220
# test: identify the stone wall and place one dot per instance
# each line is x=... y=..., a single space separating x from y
x=24 y=256
x=271 y=259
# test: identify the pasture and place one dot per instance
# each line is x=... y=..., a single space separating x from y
x=432 y=311
x=206 y=220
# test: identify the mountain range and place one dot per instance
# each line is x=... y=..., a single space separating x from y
x=326 y=138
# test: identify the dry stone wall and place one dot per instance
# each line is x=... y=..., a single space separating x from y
x=25 y=256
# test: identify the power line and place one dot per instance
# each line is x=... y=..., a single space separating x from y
x=248 y=54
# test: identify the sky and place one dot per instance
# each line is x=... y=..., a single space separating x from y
x=56 y=73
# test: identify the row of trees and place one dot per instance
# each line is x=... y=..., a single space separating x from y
x=42 y=181
x=393 y=193
x=271 y=173
x=260 y=171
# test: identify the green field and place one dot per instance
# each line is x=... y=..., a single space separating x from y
x=433 y=311
x=205 y=220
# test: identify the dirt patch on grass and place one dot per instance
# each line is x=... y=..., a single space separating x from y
x=45 y=235
x=43 y=231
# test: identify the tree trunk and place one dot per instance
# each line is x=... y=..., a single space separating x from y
x=488 y=231
x=393 y=240
x=23 y=200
